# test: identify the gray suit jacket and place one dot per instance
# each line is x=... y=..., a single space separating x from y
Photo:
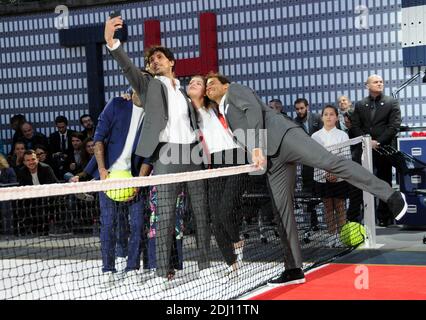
x=153 y=94
x=314 y=123
x=244 y=110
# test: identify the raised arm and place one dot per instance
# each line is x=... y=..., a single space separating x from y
x=138 y=80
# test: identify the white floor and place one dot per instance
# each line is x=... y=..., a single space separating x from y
x=72 y=279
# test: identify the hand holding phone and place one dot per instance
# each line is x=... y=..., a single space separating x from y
x=113 y=24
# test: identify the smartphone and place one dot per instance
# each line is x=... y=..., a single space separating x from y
x=115 y=14
x=120 y=33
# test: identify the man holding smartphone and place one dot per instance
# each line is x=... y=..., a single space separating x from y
x=170 y=126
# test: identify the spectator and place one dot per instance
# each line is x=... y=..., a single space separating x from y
x=88 y=151
x=7 y=176
x=32 y=138
x=60 y=140
x=311 y=123
x=33 y=218
x=331 y=189
x=379 y=116
x=15 y=123
x=276 y=105
x=88 y=125
x=16 y=160
x=345 y=105
x=73 y=162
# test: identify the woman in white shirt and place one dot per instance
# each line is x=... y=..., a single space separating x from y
x=224 y=193
x=331 y=189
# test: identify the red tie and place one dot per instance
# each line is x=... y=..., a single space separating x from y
x=222 y=120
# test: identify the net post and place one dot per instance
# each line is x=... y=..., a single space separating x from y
x=369 y=207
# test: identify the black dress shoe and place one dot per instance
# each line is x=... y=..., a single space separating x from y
x=397 y=205
x=383 y=223
x=292 y=276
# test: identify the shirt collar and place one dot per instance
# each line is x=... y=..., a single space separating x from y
x=222 y=105
x=168 y=82
x=330 y=131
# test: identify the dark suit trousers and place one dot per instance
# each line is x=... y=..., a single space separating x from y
x=167 y=195
x=298 y=147
x=383 y=170
x=224 y=205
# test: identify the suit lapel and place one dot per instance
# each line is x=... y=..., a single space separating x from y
x=165 y=99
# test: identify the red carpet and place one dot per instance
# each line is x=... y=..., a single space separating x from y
x=340 y=282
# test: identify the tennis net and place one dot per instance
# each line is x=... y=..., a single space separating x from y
x=210 y=234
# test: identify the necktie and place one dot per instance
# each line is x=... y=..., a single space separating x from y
x=222 y=120
x=63 y=143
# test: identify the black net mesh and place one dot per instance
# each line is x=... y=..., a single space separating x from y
x=212 y=238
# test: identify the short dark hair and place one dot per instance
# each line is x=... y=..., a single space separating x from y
x=275 y=100
x=77 y=135
x=61 y=119
x=17 y=117
x=29 y=152
x=299 y=100
x=153 y=49
x=84 y=116
x=41 y=146
x=330 y=106
x=218 y=76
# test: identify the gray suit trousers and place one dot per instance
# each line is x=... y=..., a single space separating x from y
x=298 y=147
x=166 y=210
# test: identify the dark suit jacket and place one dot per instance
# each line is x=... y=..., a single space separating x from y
x=44 y=172
x=244 y=110
x=154 y=93
x=314 y=123
x=38 y=138
x=55 y=141
x=112 y=129
x=386 y=122
x=7 y=175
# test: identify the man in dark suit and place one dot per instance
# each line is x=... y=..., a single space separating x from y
x=169 y=128
x=116 y=138
x=379 y=116
x=287 y=144
x=32 y=214
x=311 y=123
x=60 y=140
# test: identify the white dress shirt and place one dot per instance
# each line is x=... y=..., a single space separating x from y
x=178 y=128
x=328 y=138
x=124 y=160
x=216 y=137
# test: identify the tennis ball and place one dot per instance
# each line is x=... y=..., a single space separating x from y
x=120 y=194
x=352 y=234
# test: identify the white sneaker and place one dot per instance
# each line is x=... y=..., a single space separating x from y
x=107 y=279
x=120 y=264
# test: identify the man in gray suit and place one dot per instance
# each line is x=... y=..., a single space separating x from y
x=169 y=128
x=286 y=145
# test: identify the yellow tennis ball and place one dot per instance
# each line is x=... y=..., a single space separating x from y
x=352 y=234
x=120 y=194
